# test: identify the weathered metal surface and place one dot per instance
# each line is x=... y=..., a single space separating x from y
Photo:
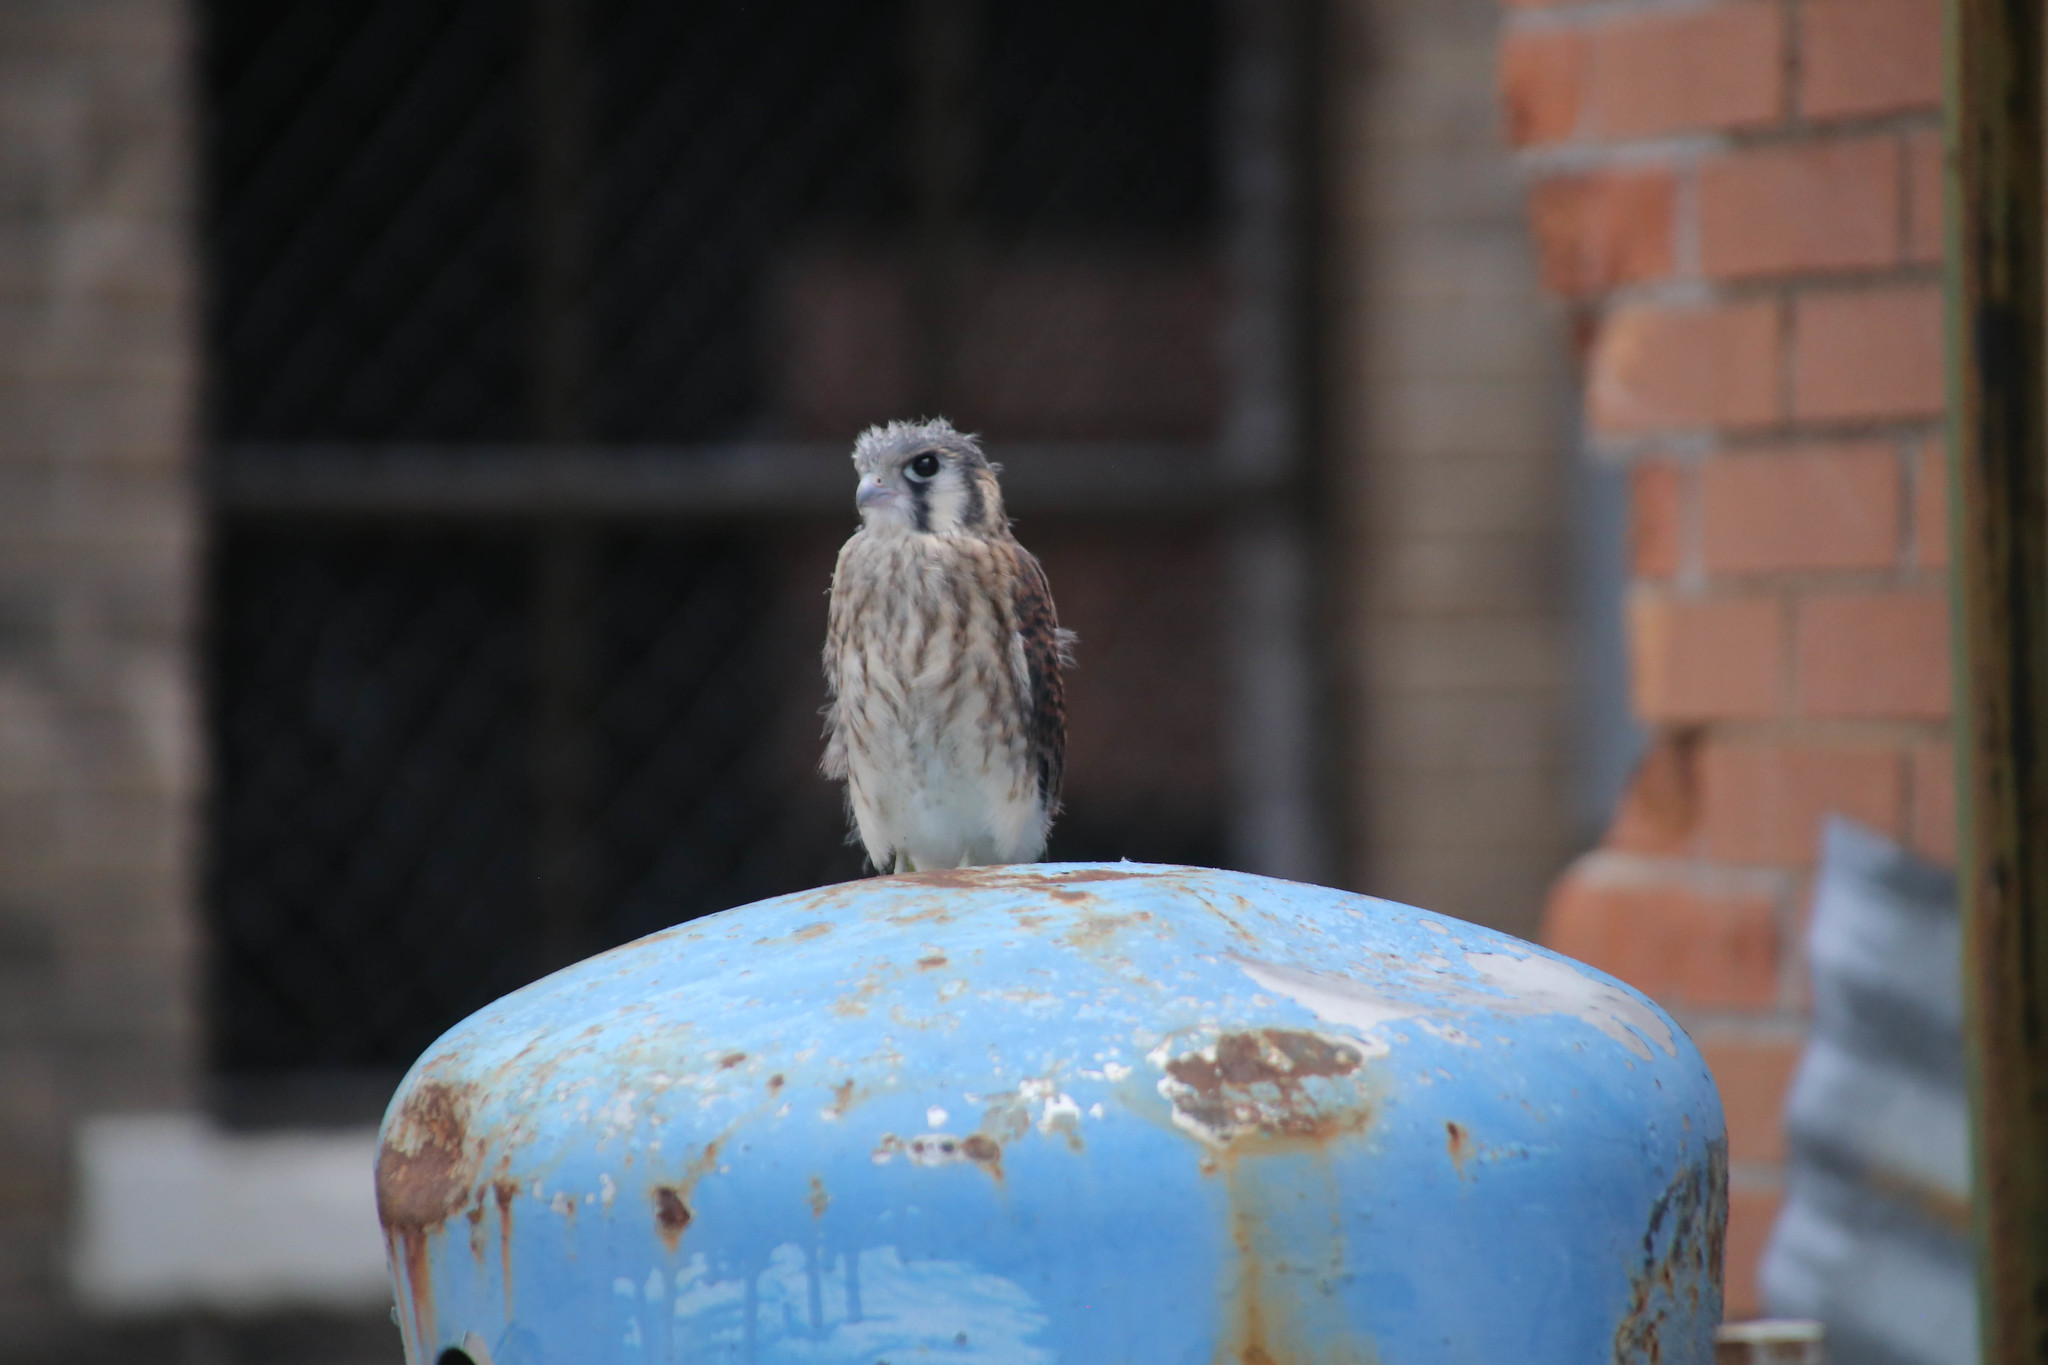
x=1061 y=1113
x=1997 y=349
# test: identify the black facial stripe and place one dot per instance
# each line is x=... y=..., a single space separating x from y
x=920 y=505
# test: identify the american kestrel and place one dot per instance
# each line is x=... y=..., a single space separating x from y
x=943 y=657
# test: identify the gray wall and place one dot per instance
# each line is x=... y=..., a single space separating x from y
x=1447 y=394
x=98 y=749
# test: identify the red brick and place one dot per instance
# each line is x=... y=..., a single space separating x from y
x=1869 y=56
x=1594 y=232
x=1752 y=1076
x=1752 y=1213
x=1870 y=655
x=1821 y=206
x=1868 y=354
x=1822 y=507
x=1542 y=84
x=1721 y=67
x=1663 y=367
x=1930 y=507
x=1656 y=509
x=1934 y=802
x=1660 y=809
x=1924 y=170
x=1678 y=945
x=1706 y=660
x=1764 y=803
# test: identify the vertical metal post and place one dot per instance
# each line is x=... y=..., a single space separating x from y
x=1276 y=815
x=563 y=759
x=1998 y=443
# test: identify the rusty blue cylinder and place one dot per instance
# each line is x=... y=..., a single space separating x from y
x=1060 y=1113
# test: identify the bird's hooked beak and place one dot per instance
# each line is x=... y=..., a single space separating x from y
x=872 y=493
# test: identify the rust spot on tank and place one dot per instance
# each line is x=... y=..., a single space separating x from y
x=817 y=1198
x=426 y=1165
x=1458 y=1142
x=854 y=1004
x=731 y=1060
x=672 y=1201
x=1261 y=1086
x=1681 y=1256
x=811 y=931
x=425 y=1170
x=932 y=963
x=1022 y=878
x=932 y=914
x=1097 y=930
x=984 y=1151
x=671 y=1214
x=842 y=1099
x=775 y=1083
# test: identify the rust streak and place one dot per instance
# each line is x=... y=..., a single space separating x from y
x=505 y=1191
x=818 y=1199
x=476 y=1227
x=811 y=931
x=1277 y=1295
x=932 y=963
x=1458 y=1142
x=731 y=1060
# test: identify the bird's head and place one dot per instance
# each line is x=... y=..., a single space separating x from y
x=925 y=476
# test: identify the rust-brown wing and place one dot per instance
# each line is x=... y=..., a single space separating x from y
x=1046 y=649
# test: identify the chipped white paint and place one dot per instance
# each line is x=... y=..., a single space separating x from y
x=1546 y=985
x=1060 y=1115
x=1334 y=999
x=1506 y=985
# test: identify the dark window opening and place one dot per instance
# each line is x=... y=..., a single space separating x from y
x=457 y=743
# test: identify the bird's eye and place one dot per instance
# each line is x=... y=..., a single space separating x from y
x=924 y=466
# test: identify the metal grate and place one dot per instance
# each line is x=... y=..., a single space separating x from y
x=369 y=694
x=488 y=690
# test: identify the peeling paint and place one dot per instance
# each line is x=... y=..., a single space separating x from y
x=1264 y=1085
x=1505 y=985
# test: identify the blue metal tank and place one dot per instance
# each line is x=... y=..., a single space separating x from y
x=1061 y=1113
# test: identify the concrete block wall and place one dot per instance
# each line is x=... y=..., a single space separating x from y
x=99 y=768
x=1447 y=436
x=1741 y=202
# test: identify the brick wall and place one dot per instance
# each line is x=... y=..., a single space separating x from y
x=1449 y=449
x=97 y=529
x=1741 y=202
